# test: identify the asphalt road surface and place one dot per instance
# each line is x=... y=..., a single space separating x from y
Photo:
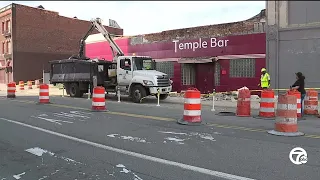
x=66 y=140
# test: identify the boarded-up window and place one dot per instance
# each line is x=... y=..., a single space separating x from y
x=217 y=74
x=188 y=74
x=166 y=67
x=242 y=68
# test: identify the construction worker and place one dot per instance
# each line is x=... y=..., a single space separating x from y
x=265 y=79
x=299 y=86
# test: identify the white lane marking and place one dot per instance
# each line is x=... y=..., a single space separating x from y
x=18 y=176
x=137 y=155
x=53 y=120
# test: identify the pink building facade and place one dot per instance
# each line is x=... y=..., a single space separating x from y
x=220 y=63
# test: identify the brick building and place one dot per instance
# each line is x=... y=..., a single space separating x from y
x=191 y=58
x=30 y=37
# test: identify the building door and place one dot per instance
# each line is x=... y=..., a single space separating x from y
x=205 y=77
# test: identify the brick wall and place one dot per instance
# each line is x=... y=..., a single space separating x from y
x=39 y=30
x=40 y=36
x=235 y=28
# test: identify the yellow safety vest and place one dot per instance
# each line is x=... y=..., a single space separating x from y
x=265 y=80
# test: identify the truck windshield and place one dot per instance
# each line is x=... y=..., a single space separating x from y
x=143 y=64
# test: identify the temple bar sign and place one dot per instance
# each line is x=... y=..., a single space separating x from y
x=200 y=44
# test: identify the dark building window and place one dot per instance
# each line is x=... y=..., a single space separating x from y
x=3 y=25
x=8 y=47
x=242 y=68
x=8 y=27
x=3 y=47
x=188 y=75
x=166 y=67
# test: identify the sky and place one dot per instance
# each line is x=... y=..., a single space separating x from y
x=143 y=17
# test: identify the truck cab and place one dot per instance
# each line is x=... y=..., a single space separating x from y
x=137 y=77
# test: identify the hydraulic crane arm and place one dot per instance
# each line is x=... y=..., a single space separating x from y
x=96 y=24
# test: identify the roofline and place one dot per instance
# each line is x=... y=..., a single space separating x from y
x=6 y=7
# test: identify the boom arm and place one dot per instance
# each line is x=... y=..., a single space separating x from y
x=96 y=24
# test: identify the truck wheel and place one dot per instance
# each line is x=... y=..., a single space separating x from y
x=74 y=90
x=138 y=92
x=163 y=96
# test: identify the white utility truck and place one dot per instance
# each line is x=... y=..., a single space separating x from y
x=132 y=75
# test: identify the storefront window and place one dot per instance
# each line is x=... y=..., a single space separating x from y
x=242 y=68
x=166 y=67
x=188 y=74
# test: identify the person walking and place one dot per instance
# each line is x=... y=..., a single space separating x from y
x=299 y=85
x=265 y=79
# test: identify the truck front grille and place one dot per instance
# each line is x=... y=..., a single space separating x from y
x=163 y=81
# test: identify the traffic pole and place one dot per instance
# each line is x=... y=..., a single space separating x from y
x=213 y=98
x=158 y=97
x=118 y=93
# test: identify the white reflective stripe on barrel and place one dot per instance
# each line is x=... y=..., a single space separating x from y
x=311 y=107
x=263 y=109
x=299 y=111
x=43 y=97
x=192 y=100
x=287 y=106
x=98 y=95
x=298 y=100
x=11 y=88
x=44 y=90
x=98 y=103
x=282 y=120
x=192 y=112
x=267 y=100
x=245 y=99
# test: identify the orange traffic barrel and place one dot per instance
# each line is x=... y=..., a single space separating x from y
x=21 y=85
x=244 y=103
x=298 y=95
x=44 y=94
x=192 y=108
x=11 y=90
x=286 y=117
x=98 y=99
x=37 y=83
x=267 y=104
x=29 y=84
x=311 y=102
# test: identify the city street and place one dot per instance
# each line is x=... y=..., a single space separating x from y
x=66 y=140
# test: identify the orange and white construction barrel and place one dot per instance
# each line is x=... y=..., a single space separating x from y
x=44 y=94
x=311 y=102
x=192 y=108
x=298 y=95
x=29 y=84
x=98 y=99
x=37 y=83
x=21 y=85
x=267 y=104
x=244 y=103
x=286 y=117
x=11 y=90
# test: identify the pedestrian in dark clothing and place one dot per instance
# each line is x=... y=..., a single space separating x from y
x=299 y=85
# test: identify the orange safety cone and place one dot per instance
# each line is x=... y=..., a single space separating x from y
x=244 y=102
x=37 y=83
x=267 y=104
x=192 y=108
x=29 y=84
x=44 y=94
x=11 y=90
x=311 y=102
x=286 y=117
x=298 y=95
x=98 y=99
x=21 y=85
